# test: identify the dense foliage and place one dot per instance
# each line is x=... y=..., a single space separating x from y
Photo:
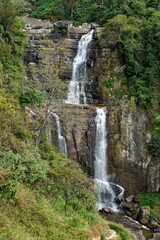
x=136 y=34
x=154 y=144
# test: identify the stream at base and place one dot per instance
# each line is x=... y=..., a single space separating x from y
x=142 y=233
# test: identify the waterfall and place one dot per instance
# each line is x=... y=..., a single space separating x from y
x=105 y=194
x=62 y=147
x=76 y=88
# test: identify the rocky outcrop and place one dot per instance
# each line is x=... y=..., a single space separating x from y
x=129 y=132
x=78 y=128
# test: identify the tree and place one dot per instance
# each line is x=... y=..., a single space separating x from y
x=7 y=14
x=73 y=184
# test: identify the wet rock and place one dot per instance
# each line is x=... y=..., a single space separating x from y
x=144 y=215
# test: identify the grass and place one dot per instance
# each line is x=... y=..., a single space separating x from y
x=122 y=232
x=153 y=201
x=34 y=217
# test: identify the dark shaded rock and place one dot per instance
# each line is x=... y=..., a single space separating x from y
x=144 y=215
x=135 y=213
x=129 y=205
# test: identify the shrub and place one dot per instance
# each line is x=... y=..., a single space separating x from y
x=1 y=29
x=30 y=97
x=16 y=168
x=154 y=146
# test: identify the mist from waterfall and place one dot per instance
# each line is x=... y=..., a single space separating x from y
x=76 y=88
x=62 y=146
x=104 y=191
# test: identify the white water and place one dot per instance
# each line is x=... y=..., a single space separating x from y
x=105 y=194
x=76 y=88
x=62 y=147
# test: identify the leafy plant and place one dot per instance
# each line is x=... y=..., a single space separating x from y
x=31 y=97
x=17 y=168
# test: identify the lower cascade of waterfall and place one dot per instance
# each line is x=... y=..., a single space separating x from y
x=76 y=88
x=106 y=197
x=62 y=146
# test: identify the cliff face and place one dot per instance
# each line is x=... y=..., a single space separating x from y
x=129 y=129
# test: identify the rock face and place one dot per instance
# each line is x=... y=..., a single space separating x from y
x=78 y=125
x=129 y=128
x=128 y=154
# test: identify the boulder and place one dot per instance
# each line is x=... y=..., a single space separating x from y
x=144 y=215
x=107 y=210
x=136 y=198
x=153 y=223
x=37 y=26
x=62 y=24
x=76 y=32
x=130 y=198
x=94 y=25
x=156 y=236
x=86 y=25
x=129 y=205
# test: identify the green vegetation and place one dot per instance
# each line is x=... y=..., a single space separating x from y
x=154 y=144
x=45 y=199
x=136 y=34
x=43 y=195
x=153 y=201
x=122 y=232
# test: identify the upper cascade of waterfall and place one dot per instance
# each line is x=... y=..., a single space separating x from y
x=76 y=88
x=62 y=146
x=105 y=196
